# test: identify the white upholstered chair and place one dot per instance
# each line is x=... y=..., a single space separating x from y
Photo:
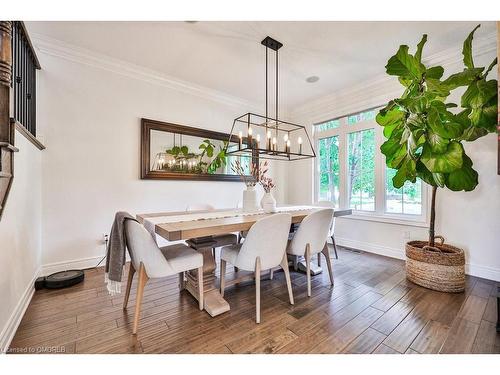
x=310 y=239
x=263 y=249
x=150 y=261
x=331 y=233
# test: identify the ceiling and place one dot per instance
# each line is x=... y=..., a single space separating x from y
x=228 y=56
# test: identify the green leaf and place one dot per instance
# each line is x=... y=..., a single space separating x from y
x=406 y=172
x=402 y=64
x=389 y=129
x=389 y=148
x=439 y=179
x=435 y=72
x=420 y=47
x=446 y=162
x=438 y=144
x=485 y=117
x=465 y=178
x=393 y=116
x=441 y=127
x=487 y=90
x=493 y=63
x=185 y=150
x=472 y=133
x=464 y=78
x=428 y=177
x=437 y=87
x=467 y=49
x=210 y=151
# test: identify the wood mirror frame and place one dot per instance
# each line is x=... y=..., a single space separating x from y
x=148 y=125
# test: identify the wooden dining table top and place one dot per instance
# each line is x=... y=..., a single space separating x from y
x=184 y=230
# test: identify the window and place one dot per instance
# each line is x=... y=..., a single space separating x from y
x=361 y=170
x=351 y=171
x=406 y=200
x=329 y=170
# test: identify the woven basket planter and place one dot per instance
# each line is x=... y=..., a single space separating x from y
x=441 y=268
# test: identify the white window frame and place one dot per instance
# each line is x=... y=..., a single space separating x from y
x=380 y=213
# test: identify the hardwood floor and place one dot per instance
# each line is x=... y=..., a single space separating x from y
x=371 y=309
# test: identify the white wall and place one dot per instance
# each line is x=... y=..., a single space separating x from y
x=90 y=120
x=469 y=220
x=20 y=238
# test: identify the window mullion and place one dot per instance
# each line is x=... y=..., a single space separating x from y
x=379 y=174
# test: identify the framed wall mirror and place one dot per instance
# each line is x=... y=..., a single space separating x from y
x=178 y=152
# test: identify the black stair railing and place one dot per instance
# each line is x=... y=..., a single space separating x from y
x=24 y=66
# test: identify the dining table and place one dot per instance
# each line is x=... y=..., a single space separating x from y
x=199 y=228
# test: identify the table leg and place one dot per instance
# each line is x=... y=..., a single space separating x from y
x=214 y=303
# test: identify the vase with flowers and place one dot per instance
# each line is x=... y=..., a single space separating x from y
x=268 y=202
x=250 y=176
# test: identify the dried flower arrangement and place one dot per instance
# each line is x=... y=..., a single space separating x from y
x=249 y=179
x=267 y=184
x=257 y=174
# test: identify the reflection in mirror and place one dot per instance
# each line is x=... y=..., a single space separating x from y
x=180 y=153
x=171 y=151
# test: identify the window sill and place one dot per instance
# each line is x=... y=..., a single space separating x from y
x=388 y=219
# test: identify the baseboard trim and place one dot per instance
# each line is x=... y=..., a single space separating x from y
x=78 y=264
x=477 y=270
x=10 y=328
x=370 y=248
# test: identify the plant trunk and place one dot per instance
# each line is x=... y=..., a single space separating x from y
x=433 y=217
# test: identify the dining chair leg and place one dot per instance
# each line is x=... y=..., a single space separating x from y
x=143 y=279
x=295 y=262
x=213 y=251
x=319 y=260
x=271 y=274
x=334 y=247
x=257 y=289
x=182 y=283
x=222 y=276
x=326 y=253
x=284 y=265
x=131 y=272
x=307 y=255
x=200 y=288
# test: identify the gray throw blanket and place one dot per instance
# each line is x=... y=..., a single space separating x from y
x=115 y=253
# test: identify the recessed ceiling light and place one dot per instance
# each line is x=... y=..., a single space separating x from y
x=312 y=79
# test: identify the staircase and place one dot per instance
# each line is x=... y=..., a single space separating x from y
x=6 y=129
x=6 y=171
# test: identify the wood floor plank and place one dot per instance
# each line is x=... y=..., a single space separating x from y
x=365 y=343
x=391 y=298
x=384 y=349
x=490 y=312
x=350 y=331
x=473 y=309
x=487 y=339
x=371 y=308
x=461 y=337
x=431 y=338
x=392 y=318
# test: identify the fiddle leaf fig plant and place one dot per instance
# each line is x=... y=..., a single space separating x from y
x=425 y=131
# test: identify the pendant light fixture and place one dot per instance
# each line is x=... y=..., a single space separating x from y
x=268 y=137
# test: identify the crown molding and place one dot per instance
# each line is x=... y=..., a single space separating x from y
x=56 y=48
x=382 y=88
